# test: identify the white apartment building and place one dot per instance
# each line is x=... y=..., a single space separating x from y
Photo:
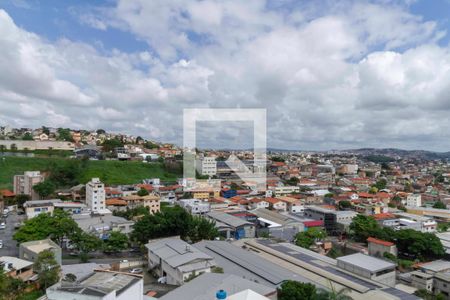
x=207 y=165
x=95 y=195
x=414 y=200
x=23 y=184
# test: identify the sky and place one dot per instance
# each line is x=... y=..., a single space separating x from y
x=331 y=74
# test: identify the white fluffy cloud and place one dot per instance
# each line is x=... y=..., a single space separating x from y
x=316 y=71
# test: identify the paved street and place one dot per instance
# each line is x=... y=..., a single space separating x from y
x=9 y=245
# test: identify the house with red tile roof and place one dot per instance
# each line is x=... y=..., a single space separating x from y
x=258 y=203
x=378 y=247
x=276 y=204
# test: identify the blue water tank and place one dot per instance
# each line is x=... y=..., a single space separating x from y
x=220 y=295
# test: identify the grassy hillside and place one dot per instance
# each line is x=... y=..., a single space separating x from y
x=110 y=172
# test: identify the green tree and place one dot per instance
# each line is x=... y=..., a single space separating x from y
x=64 y=135
x=85 y=242
x=110 y=145
x=20 y=199
x=293 y=181
x=344 y=204
x=277 y=159
x=44 y=188
x=27 y=137
x=293 y=290
x=150 y=145
x=117 y=241
x=333 y=294
x=142 y=192
x=423 y=246
x=170 y=222
x=307 y=238
x=439 y=205
x=10 y=287
x=57 y=227
x=47 y=268
x=363 y=227
x=201 y=229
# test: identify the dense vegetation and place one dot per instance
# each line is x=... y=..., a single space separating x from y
x=173 y=221
x=307 y=238
x=293 y=290
x=77 y=171
x=410 y=243
x=60 y=226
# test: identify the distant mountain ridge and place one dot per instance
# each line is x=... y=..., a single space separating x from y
x=394 y=152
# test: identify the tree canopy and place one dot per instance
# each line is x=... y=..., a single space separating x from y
x=117 y=241
x=439 y=205
x=307 y=238
x=410 y=243
x=47 y=268
x=290 y=290
x=173 y=221
x=56 y=227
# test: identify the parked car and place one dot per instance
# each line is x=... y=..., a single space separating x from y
x=1 y=244
x=136 y=271
x=17 y=225
x=2 y=225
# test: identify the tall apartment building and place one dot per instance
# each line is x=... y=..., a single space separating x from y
x=207 y=165
x=23 y=184
x=414 y=200
x=95 y=195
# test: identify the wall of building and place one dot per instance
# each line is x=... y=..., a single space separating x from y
x=37 y=145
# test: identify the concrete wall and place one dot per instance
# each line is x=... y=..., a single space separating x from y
x=37 y=145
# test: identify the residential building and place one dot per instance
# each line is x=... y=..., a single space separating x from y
x=207 y=285
x=71 y=207
x=441 y=284
x=276 y=204
x=152 y=202
x=258 y=203
x=30 y=250
x=232 y=226
x=379 y=247
x=414 y=200
x=35 y=207
x=421 y=280
x=95 y=196
x=293 y=205
x=17 y=268
x=419 y=223
x=195 y=206
x=369 y=267
x=206 y=165
x=23 y=184
x=101 y=226
x=176 y=260
x=100 y=285
x=285 y=190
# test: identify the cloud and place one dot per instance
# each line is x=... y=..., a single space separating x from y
x=351 y=74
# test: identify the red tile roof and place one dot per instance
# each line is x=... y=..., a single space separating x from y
x=383 y=216
x=380 y=242
x=7 y=193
